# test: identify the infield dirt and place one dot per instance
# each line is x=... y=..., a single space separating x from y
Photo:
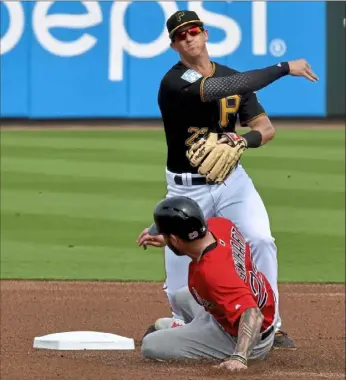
x=313 y=314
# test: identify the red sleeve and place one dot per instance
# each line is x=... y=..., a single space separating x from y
x=229 y=293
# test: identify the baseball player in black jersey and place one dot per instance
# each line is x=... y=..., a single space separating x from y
x=200 y=102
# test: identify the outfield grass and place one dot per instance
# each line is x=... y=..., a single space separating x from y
x=73 y=202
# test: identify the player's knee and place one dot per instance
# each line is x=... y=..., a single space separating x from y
x=157 y=346
x=150 y=347
x=262 y=241
x=181 y=297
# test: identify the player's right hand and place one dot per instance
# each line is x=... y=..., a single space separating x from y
x=301 y=68
x=145 y=239
x=232 y=365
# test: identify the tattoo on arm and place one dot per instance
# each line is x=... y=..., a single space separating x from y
x=248 y=332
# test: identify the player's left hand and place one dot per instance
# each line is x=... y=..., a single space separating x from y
x=145 y=239
x=232 y=139
x=232 y=365
x=215 y=158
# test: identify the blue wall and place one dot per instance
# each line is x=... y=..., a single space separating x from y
x=69 y=61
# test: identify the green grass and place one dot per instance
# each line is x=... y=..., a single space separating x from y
x=73 y=203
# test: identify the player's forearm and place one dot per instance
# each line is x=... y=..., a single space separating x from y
x=261 y=132
x=240 y=83
x=248 y=332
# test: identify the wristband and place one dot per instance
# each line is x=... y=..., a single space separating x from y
x=239 y=358
x=253 y=139
x=285 y=67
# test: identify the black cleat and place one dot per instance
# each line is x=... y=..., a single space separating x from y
x=283 y=342
x=150 y=330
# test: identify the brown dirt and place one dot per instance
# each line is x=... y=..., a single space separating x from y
x=313 y=314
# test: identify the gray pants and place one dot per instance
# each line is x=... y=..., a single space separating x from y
x=201 y=338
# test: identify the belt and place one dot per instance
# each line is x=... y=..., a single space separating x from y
x=267 y=333
x=194 y=180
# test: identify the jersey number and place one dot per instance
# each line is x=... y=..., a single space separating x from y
x=197 y=133
x=259 y=290
x=229 y=105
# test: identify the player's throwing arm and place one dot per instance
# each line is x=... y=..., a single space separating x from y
x=253 y=80
x=215 y=158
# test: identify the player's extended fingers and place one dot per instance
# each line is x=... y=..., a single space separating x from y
x=147 y=239
x=231 y=366
x=312 y=74
x=155 y=241
x=143 y=238
x=220 y=366
x=308 y=76
x=143 y=233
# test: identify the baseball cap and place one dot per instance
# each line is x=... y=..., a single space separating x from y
x=181 y=18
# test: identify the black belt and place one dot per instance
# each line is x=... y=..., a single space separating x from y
x=267 y=333
x=178 y=179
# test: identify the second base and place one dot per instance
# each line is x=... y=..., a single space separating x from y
x=84 y=340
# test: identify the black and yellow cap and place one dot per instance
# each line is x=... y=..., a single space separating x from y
x=181 y=18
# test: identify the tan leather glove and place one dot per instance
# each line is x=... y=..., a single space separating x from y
x=217 y=160
x=198 y=151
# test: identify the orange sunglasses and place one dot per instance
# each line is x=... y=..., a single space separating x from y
x=193 y=31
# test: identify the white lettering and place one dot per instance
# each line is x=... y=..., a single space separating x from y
x=238 y=252
x=43 y=22
x=230 y=27
x=120 y=41
x=259 y=27
x=15 y=28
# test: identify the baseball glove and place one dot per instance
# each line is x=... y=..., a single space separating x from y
x=214 y=159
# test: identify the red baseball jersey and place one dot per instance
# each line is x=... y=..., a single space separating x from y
x=226 y=281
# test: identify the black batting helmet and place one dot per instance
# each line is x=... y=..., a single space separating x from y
x=180 y=216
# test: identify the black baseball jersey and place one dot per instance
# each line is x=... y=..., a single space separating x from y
x=187 y=118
